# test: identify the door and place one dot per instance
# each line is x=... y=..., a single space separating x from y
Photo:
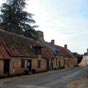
x=6 y=67
x=48 y=65
x=29 y=67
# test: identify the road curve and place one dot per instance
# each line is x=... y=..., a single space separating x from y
x=57 y=79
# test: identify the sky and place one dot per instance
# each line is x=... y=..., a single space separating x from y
x=65 y=21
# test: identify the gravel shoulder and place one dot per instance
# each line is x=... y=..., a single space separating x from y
x=81 y=80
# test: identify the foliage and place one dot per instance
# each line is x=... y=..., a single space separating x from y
x=31 y=33
x=14 y=18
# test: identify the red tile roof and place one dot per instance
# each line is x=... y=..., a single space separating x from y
x=47 y=53
x=16 y=45
x=65 y=52
x=3 y=53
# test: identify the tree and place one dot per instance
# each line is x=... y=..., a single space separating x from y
x=14 y=18
x=31 y=33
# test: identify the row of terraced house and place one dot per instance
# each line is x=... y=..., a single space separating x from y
x=22 y=55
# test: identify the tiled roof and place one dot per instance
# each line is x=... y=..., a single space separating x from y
x=51 y=47
x=16 y=45
x=47 y=53
x=65 y=52
x=3 y=53
x=57 y=50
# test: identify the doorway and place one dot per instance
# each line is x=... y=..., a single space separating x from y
x=6 y=66
x=29 y=65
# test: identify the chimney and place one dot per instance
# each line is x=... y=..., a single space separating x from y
x=65 y=46
x=52 y=42
x=41 y=35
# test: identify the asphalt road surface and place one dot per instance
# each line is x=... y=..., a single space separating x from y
x=55 y=79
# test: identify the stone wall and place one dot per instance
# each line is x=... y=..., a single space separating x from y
x=43 y=64
x=15 y=66
x=1 y=67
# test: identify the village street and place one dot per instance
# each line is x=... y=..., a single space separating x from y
x=57 y=79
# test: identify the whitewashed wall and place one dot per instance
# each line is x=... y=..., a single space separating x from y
x=85 y=60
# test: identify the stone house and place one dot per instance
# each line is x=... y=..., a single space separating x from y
x=19 y=54
x=51 y=49
x=62 y=57
x=84 y=61
x=48 y=55
x=78 y=56
x=69 y=60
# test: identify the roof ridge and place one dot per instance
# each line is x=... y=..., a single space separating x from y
x=18 y=35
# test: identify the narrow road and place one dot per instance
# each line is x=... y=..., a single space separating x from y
x=57 y=79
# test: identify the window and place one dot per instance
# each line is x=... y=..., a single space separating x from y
x=37 y=50
x=22 y=63
x=39 y=63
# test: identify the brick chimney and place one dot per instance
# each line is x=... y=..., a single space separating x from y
x=52 y=42
x=41 y=35
x=65 y=46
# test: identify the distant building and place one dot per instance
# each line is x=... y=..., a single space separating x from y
x=63 y=57
x=78 y=56
x=85 y=59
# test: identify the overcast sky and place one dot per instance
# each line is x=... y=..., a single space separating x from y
x=66 y=21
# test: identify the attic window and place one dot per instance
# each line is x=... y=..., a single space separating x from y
x=57 y=51
x=37 y=50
